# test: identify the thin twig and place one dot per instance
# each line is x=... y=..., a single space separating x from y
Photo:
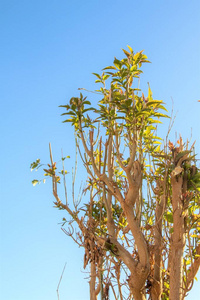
x=64 y=178
x=60 y=281
x=89 y=91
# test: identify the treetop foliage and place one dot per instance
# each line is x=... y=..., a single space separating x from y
x=140 y=227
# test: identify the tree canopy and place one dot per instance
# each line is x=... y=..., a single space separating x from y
x=140 y=225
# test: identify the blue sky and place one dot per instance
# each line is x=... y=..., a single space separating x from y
x=48 y=50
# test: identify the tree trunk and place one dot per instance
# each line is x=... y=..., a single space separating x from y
x=178 y=240
x=156 y=289
x=93 y=281
x=137 y=282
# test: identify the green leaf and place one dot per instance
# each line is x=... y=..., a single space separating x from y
x=110 y=68
x=194 y=236
x=69 y=113
x=35 y=165
x=169 y=217
x=161 y=115
x=65 y=106
x=35 y=181
x=137 y=57
x=63 y=158
x=152 y=102
x=134 y=68
x=142 y=113
x=87 y=109
x=126 y=53
x=181 y=154
x=106 y=77
x=117 y=63
x=131 y=50
x=87 y=102
x=97 y=75
x=150 y=94
x=63 y=172
x=188 y=261
x=68 y=121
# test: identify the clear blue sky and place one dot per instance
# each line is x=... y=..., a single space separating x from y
x=48 y=50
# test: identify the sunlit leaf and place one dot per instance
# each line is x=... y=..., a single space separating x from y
x=126 y=53
x=110 y=68
x=131 y=50
x=35 y=181
x=117 y=63
x=169 y=217
x=97 y=75
x=35 y=165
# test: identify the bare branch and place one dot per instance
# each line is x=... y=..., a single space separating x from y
x=193 y=269
x=60 y=280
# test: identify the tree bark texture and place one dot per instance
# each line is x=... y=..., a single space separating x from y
x=178 y=239
x=93 y=281
x=156 y=289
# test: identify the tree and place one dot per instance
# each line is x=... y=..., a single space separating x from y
x=141 y=225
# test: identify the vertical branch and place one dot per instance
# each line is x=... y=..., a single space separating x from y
x=60 y=281
x=111 y=224
x=100 y=149
x=156 y=290
x=65 y=187
x=139 y=198
x=54 y=185
x=193 y=269
x=74 y=178
x=178 y=238
x=93 y=281
x=117 y=272
x=109 y=156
